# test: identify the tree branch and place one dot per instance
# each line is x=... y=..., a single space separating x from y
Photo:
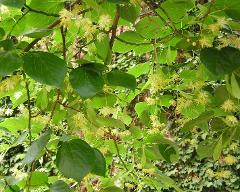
x=63 y=33
x=29 y=108
x=114 y=27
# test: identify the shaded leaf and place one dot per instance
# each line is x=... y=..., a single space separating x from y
x=9 y=62
x=118 y=78
x=45 y=68
x=75 y=159
x=36 y=147
x=60 y=186
x=85 y=82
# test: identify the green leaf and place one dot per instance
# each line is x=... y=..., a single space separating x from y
x=110 y=122
x=38 y=178
x=75 y=159
x=193 y=111
x=60 y=186
x=36 y=147
x=129 y=12
x=205 y=149
x=100 y=163
x=234 y=86
x=161 y=148
x=139 y=69
x=13 y=3
x=7 y=44
x=42 y=99
x=37 y=33
x=48 y=6
x=175 y=9
x=127 y=41
x=111 y=189
x=2 y=33
x=167 y=56
x=118 y=78
x=45 y=68
x=204 y=117
x=85 y=82
x=233 y=9
x=103 y=100
x=220 y=62
x=103 y=48
x=15 y=124
x=151 y=27
x=217 y=149
x=9 y=62
x=118 y=1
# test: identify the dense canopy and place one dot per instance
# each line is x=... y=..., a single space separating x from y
x=119 y=95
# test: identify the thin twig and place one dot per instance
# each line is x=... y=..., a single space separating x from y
x=53 y=109
x=29 y=108
x=63 y=34
x=119 y=156
x=67 y=106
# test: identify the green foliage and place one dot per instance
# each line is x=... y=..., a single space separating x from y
x=119 y=95
x=45 y=68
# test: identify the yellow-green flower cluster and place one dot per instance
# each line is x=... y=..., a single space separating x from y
x=157 y=82
x=87 y=26
x=105 y=22
x=230 y=160
x=183 y=103
x=228 y=106
x=202 y=98
x=219 y=174
x=106 y=111
x=231 y=120
x=205 y=42
x=65 y=17
x=80 y=120
x=150 y=101
x=10 y=83
x=215 y=27
x=155 y=122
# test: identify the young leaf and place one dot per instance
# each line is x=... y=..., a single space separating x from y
x=45 y=68
x=36 y=147
x=38 y=178
x=42 y=99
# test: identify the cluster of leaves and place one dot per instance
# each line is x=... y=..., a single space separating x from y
x=101 y=95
